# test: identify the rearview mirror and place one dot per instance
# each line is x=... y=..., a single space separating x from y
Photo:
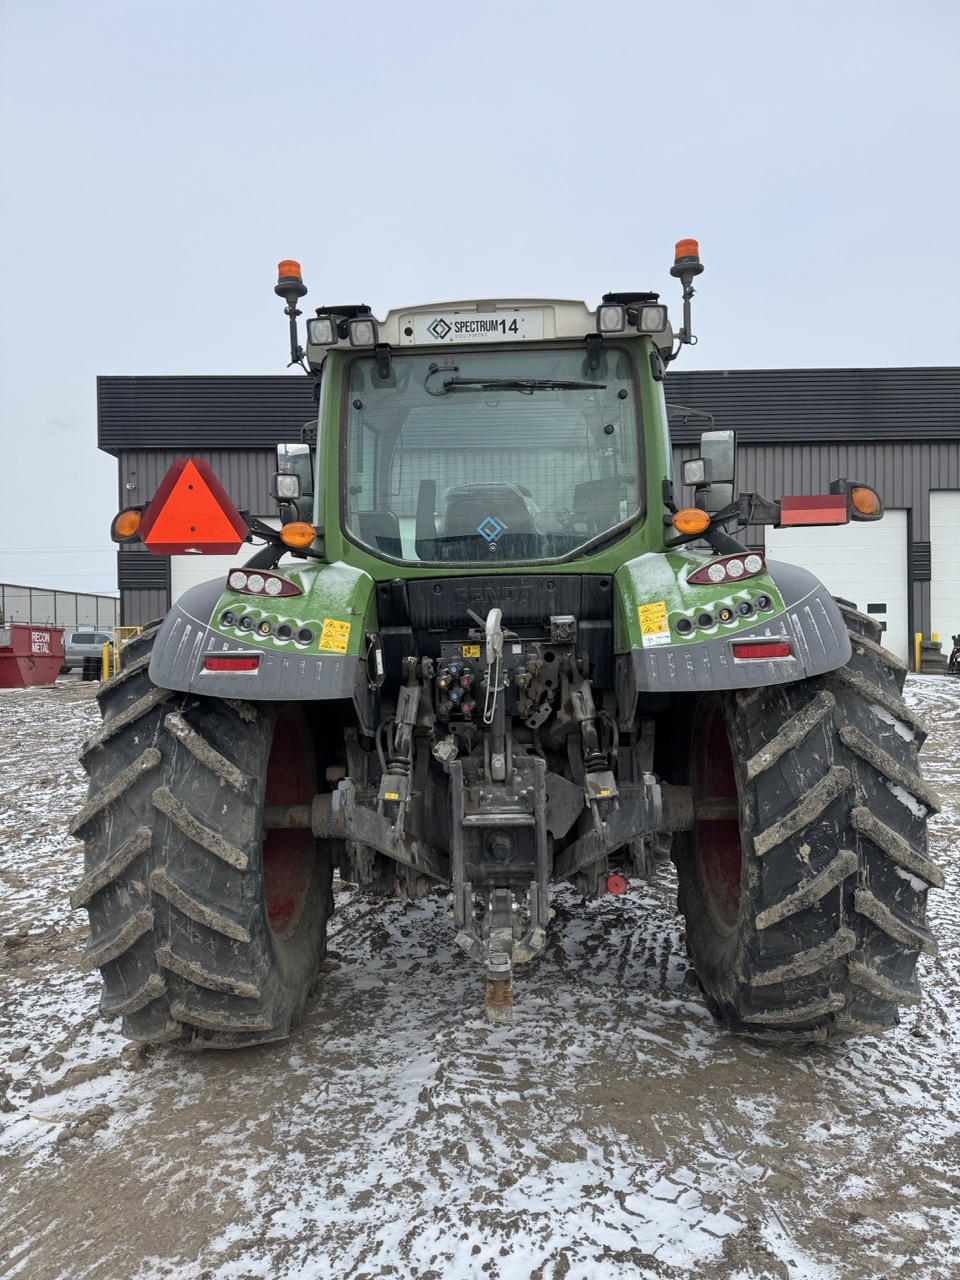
x=292 y=485
x=713 y=473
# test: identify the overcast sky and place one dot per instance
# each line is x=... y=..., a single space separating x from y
x=161 y=158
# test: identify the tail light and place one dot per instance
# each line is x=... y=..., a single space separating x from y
x=729 y=569
x=245 y=663
x=764 y=650
x=252 y=583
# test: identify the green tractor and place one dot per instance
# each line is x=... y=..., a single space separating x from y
x=486 y=648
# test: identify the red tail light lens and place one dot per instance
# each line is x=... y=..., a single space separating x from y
x=777 y=649
x=233 y=664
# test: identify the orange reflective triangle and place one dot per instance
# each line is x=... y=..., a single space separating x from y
x=192 y=512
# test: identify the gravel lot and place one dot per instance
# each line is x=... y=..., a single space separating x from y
x=613 y=1131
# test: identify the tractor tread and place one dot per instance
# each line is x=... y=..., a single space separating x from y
x=111 y=867
x=871 y=692
x=114 y=789
x=884 y=988
x=167 y=887
x=884 y=763
x=143 y=706
x=219 y=1020
x=792 y=1015
x=208 y=755
x=194 y=829
x=805 y=963
x=908 y=933
x=810 y=891
x=863 y=624
x=793 y=733
x=896 y=848
x=870 y=648
x=115 y=1006
x=206 y=978
x=813 y=804
x=101 y=951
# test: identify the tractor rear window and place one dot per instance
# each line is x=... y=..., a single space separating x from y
x=490 y=457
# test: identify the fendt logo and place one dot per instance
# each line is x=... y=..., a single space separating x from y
x=439 y=328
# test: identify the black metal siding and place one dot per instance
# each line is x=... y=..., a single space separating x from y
x=764 y=405
x=244 y=473
x=201 y=412
x=775 y=405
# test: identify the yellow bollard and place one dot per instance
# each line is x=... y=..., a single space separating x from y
x=935 y=637
x=105 y=663
x=917 y=638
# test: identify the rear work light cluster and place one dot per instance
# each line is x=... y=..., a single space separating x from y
x=729 y=569
x=252 y=583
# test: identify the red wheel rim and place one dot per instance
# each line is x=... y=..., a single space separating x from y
x=716 y=807
x=288 y=852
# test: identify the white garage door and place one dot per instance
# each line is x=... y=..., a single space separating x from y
x=944 y=574
x=187 y=571
x=864 y=562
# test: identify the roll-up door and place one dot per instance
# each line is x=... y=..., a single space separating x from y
x=944 y=567
x=865 y=563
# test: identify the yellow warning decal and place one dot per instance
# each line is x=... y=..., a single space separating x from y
x=471 y=650
x=335 y=636
x=654 y=628
x=391 y=795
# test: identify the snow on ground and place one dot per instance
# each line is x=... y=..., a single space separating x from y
x=613 y=1131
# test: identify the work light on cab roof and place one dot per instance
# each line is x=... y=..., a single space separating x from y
x=496 y=320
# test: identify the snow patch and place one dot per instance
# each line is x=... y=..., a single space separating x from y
x=913 y=881
x=888 y=717
x=907 y=799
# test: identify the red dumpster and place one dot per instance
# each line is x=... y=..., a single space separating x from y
x=30 y=655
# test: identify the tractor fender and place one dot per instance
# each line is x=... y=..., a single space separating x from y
x=810 y=622
x=189 y=637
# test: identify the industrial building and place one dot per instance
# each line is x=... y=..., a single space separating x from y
x=797 y=429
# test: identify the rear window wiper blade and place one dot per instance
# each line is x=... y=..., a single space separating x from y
x=526 y=386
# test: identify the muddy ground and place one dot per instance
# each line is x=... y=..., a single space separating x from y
x=613 y=1131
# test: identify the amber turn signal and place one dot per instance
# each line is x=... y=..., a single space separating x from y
x=126 y=524
x=298 y=534
x=691 y=520
x=864 y=500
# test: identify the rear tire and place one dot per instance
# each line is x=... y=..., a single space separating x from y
x=804 y=880
x=208 y=930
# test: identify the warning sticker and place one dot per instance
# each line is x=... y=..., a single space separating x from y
x=471 y=650
x=654 y=628
x=335 y=635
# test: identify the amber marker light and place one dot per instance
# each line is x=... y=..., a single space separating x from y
x=687 y=249
x=691 y=520
x=298 y=534
x=126 y=524
x=864 y=500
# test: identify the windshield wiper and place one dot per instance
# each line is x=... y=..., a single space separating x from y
x=526 y=386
